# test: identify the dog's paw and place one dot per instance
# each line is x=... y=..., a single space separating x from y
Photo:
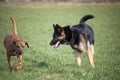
x=12 y=69
x=18 y=68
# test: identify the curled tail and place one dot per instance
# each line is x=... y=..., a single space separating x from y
x=85 y=18
x=14 y=25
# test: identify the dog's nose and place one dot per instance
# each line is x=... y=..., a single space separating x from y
x=19 y=52
x=51 y=43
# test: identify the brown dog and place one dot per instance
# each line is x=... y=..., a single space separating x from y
x=14 y=47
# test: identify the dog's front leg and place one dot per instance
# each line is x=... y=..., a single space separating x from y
x=19 y=65
x=10 y=62
x=78 y=55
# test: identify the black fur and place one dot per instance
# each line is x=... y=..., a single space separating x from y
x=80 y=37
x=72 y=34
x=85 y=18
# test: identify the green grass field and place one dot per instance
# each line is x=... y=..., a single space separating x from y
x=43 y=62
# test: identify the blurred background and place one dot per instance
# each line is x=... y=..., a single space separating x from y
x=35 y=19
x=64 y=1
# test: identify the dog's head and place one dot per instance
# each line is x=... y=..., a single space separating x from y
x=61 y=35
x=19 y=46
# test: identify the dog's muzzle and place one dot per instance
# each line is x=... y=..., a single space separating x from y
x=19 y=52
x=51 y=43
x=56 y=43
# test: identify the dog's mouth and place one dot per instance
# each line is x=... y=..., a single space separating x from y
x=19 y=52
x=57 y=44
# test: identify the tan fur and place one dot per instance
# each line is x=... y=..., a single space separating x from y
x=12 y=48
x=78 y=56
x=62 y=37
x=89 y=49
x=82 y=44
x=90 y=57
x=14 y=25
x=92 y=48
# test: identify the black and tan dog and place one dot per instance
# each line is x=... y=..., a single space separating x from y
x=80 y=37
x=14 y=47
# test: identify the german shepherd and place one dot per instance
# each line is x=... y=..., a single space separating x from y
x=80 y=37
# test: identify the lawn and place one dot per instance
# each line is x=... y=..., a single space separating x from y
x=41 y=61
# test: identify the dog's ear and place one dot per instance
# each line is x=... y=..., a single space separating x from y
x=54 y=26
x=59 y=28
x=26 y=44
x=58 y=25
x=68 y=31
x=68 y=27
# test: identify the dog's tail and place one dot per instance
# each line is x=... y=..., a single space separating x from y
x=85 y=18
x=14 y=25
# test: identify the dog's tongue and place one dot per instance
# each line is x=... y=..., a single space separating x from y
x=57 y=44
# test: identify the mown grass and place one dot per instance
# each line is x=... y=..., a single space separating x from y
x=43 y=62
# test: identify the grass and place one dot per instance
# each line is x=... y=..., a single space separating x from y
x=43 y=62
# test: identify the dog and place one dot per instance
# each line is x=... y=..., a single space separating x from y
x=14 y=46
x=80 y=37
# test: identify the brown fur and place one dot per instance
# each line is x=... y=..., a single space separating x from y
x=14 y=45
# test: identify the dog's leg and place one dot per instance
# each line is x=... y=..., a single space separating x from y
x=92 y=48
x=10 y=62
x=19 y=65
x=90 y=57
x=78 y=55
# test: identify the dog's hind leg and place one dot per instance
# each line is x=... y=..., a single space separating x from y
x=92 y=48
x=78 y=55
x=90 y=57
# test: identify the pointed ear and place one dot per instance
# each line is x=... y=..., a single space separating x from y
x=59 y=28
x=58 y=25
x=26 y=44
x=68 y=26
x=54 y=26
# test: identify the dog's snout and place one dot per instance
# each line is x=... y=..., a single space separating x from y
x=51 y=43
x=19 y=52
